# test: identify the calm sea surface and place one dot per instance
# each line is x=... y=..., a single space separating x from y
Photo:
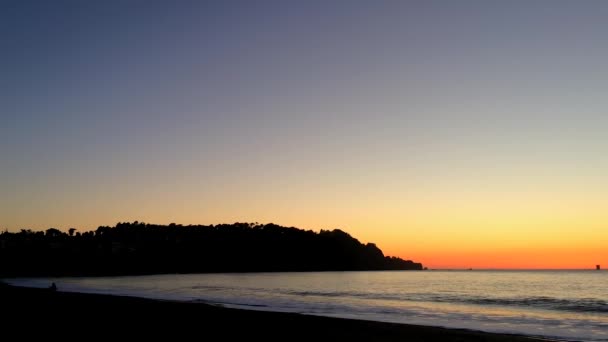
x=571 y=305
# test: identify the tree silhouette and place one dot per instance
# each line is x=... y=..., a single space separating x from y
x=140 y=248
x=53 y=232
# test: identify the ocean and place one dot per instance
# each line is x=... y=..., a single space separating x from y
x=566 y=305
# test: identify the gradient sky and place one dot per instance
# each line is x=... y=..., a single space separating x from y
x=455 y=133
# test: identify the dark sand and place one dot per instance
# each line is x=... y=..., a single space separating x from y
x=39 y=313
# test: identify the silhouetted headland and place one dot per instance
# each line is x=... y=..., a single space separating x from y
x=140 y=248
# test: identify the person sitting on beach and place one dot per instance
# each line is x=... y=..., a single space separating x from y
x=53 y=287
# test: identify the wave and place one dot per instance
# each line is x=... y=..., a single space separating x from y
x=233 y=303
x=561 y=304
x=591 y=305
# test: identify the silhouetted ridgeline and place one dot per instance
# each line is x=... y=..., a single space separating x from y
x=139 y=248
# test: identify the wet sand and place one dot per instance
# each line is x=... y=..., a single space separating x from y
x=40 y=313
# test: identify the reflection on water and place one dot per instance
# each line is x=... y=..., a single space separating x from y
x=562 y=304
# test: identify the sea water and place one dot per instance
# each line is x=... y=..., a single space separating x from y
x=569 y=305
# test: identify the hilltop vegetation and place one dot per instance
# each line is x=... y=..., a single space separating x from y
x=140 y=248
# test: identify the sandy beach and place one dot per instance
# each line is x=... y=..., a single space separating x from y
x=41 y=313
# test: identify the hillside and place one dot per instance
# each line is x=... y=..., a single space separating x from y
x=140 y=248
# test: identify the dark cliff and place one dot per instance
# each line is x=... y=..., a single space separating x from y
x=139 y=248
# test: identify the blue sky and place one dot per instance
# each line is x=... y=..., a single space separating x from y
x=315 y=114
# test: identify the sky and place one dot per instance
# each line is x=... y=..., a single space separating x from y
x=455 y=133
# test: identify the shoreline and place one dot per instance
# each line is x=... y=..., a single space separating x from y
x=41 y=312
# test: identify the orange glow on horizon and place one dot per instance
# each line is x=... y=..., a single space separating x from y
x=438 y=230
x=542 y=258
